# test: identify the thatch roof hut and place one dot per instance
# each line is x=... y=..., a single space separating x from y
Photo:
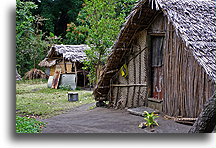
x=177 y=35
x=67 y=60
x=73 y=53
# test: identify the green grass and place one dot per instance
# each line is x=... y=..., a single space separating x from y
x=35 y=99
x=28 y=125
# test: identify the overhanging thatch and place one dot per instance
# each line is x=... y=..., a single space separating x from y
x=73 y=53
x=194 y=22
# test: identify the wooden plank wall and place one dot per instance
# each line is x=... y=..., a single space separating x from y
x=61 y=64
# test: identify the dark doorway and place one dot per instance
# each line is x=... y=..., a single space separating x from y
x=156 y=54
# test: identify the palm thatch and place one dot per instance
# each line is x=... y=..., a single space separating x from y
x=194 y=22
x=71 y=53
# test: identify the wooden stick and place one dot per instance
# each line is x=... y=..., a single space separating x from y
x=65 y=68
x=75 y=68
x=127 y=85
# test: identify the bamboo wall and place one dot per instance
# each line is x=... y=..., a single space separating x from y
x=128 y=94
x=186 y=85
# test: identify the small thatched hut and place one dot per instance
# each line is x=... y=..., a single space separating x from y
x=164 y=58
x=64 y=63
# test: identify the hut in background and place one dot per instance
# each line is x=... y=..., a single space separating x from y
x=164 y=58
x=64 y=66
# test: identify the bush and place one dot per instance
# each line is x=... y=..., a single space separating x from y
x=28 y=125
x=65 y=87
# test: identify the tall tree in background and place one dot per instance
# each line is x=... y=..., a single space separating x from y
x=58 y=14
x=29 y=44
x=97 y=24
x=103 y=22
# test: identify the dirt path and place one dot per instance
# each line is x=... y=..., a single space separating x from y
x=103 y=120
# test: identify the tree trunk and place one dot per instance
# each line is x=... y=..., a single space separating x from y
x=207 y=118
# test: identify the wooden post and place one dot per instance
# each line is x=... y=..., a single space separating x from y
x=75 y=68
x=84 y=77
x=65 y=69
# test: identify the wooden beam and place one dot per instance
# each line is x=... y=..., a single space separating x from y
x=157 y=34
x=128 y=85
x=103 y=87
x=112 y=71
x=75 y=68
x=56 y=58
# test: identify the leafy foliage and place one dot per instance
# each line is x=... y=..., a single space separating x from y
x=58 y=14
x=102 y=20
x=30 y=46
x=150 y=119
x=28 y=125
x=24 y=18
x=65 y=87
x=75 y=34
x=53 y=39
x=40 y=24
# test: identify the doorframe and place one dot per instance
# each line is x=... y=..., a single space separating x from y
x=150 y=78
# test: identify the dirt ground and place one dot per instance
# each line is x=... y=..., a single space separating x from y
x=103 y=120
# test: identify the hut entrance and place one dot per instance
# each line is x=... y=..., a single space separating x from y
x=156 y=54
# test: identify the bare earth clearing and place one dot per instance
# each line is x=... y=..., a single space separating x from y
x=103 y=120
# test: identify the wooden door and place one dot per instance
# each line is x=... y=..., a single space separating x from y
x=157 y=66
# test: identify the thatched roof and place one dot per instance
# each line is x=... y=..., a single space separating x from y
x=73 y=53
x=194 y=22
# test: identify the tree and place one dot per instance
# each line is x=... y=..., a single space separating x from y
x=207 y=118
x=103 y=22
x=75 y=34
x=29 y=44
x=58 y=14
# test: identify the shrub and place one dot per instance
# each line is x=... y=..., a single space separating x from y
x=28 y=125
x=65 y=87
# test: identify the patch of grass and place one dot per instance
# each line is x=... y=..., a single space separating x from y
x=28 y=125
x=38 y=100
x=34 y=81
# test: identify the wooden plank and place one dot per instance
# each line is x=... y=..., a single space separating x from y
x=134 y=81
x=52 y=70
x=75 y=68
x=157 y=34
x=69 y=67
x=56 y=78
x=64 y=65
x=128 y=85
